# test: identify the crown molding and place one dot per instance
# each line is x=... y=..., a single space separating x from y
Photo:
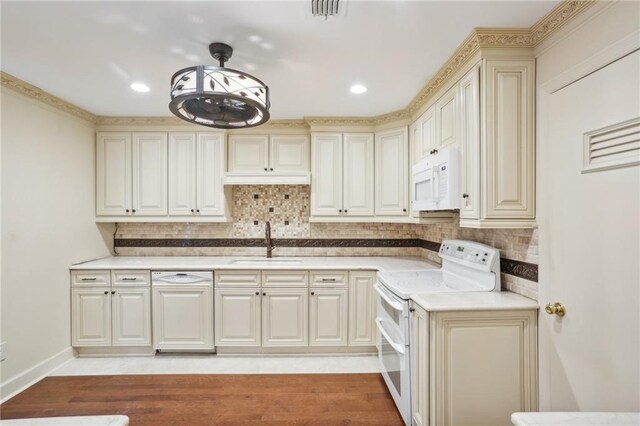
x=31 y=91
x=480 y=38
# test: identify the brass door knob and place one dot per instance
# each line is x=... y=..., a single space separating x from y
x=555 y=309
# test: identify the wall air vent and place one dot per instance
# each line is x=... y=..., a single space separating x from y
x=325 y=8
x=612 y=147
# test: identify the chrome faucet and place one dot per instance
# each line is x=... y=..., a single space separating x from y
x=267 y=234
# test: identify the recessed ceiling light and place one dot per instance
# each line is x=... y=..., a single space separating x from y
x=140 y=87
x=358 y=89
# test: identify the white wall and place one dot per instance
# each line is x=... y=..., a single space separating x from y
x=48 y=187
x=589 y=223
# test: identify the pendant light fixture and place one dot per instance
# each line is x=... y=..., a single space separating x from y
x=217 y=96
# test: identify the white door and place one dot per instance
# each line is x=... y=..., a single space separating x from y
x=362 y=308
x=131 y=316
x=248 y=154
x=149 y=174
x=358 y=174
x=113 y=174
x=238 y=317
x=419 y=366
x=392 y=172
x=182 y=174
x=326 y=174
x=328 y=317
x=589 y=248
x=91 y=317
x=469 y=97
x=210 y=154
x=427 y=133
x=289 y=154
x=182 y=317
x=285 y=317
x=447 y=119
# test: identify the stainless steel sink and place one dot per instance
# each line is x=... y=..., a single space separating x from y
x=265 y=261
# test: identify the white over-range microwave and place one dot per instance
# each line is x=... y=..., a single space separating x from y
x=435 y=182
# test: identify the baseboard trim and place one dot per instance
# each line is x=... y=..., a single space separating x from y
x=28 y=378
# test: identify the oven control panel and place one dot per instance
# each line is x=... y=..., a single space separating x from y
x=479 y=255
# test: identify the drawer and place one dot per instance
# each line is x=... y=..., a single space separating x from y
x=130 y=278
x=237 y=278
x=285 y=278
x=90 y=278
x=328 y=278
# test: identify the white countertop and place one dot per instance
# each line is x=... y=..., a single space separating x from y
x=473 y=301
x=193 y=263
x=581 y=419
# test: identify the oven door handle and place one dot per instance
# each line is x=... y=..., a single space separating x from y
x=394 y=304
x=396 y=346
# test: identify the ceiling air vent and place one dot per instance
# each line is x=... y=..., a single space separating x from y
x=325 y=7
x=612 y=147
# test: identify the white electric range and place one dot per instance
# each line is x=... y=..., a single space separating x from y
x=466 y=266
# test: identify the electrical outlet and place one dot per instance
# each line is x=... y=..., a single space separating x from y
x=3 y=355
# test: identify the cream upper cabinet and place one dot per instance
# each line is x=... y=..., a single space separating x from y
x=285 y=317
x=113 y=174
x=362 y=308
x=358 y=175
x=149 y=174
x=289 y=154
x=446 y=114
x=328 y=317
x=91 y=316
x=248 y=153
x=469 y=101
x=131 y=316
x=196 y=167
x=419 y=366
x=392 y=172
x=427 y=126
x=237 y=317
x=326 y=174
x=483 y=366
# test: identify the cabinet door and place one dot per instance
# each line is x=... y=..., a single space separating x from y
x=149 y=174
x=182 y=318
x=358 y=174
x=182 y=173
x=328 y=317
x=362 y=308
x=427 y=133
x=392 y=172
x=419 y=366
x=285 y=317
x=210 y=153
x=237 y=313
x=91 y=317
x=447 y=119
x=248 y=153
x=509 y=152
x=131 y=316
x=326 y=174
x=469 y=89
x=113 y=174
x=289 y=154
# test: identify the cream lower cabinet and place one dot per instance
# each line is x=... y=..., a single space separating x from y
x=238 y=317
x=362 y=308
x=131 y=316
x=328 y=317
x=482 y=366
x=285 y=317
x=91 y=316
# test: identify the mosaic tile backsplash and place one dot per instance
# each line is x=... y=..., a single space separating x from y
x=287 y=207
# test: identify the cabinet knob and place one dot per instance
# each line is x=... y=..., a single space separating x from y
x=113 y=292
x=264 y=294
x=340 y=211
x=197 y=210
x=127 y=210
x=272 y=169
x=193 y=211
x=404 y=210
x=435 y=151
x=313 y=293
x=106 y=292
x=345 y=210
x=555 y=309
x=265 y=169
x=257 y=293
x=133 y=210
x=465 y=195
x=412 y=309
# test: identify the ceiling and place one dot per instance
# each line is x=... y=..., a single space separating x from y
x=89 y=53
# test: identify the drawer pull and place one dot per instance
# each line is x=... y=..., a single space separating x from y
x=328 y=280
x=89 y=279
x=128 y=279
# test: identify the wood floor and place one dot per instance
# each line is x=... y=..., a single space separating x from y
x=277 y=399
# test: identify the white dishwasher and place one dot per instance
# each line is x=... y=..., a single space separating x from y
x=182 y=311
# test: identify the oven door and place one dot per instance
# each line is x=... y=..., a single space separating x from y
x=394 y=367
